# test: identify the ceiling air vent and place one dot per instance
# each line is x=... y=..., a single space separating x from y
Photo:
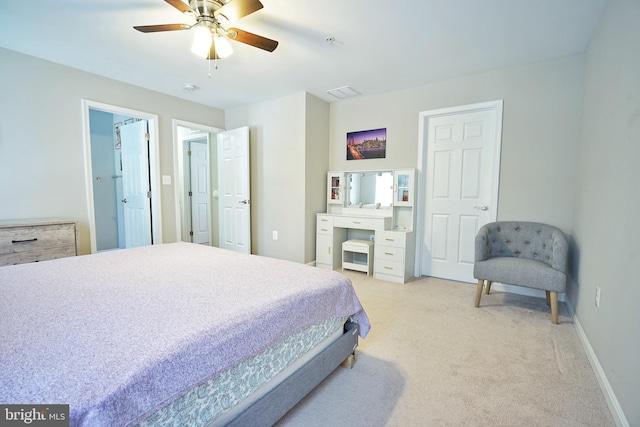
x=343 y=92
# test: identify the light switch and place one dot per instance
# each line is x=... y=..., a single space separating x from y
x=166 y=179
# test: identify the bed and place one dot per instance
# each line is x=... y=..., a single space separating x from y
x=172 y=334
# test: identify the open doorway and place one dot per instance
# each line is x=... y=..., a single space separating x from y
x=116 y=176
x=195 y=154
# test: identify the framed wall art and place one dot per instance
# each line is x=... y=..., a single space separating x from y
x=367 y=144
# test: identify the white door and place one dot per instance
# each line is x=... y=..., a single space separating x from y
x=199 y=191
x=461 y=186
x=234 y=195
x=136 y=194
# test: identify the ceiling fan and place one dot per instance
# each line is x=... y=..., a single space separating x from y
x=211 y=32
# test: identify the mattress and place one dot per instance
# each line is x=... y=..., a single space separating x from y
x=118 y=335
x=216 y=398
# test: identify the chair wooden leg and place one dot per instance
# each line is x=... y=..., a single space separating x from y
x=479 y=292
x=548 y=298
x=554 y=307
x=488 y=288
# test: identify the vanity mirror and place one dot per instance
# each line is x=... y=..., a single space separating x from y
x=370 y=190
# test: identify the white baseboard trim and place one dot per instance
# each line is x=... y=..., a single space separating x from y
x=612 y=401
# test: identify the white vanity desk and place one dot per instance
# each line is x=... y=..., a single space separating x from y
x=389 y=225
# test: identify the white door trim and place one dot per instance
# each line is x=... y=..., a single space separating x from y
x=423 y=134
x=154 y=165
x=177 y=165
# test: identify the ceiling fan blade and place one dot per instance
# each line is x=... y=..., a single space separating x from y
x=237 y=9
x=180 y=5
x=162 y=27
x=252 y=39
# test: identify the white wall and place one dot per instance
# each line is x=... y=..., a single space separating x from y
x=289 y=152
x=42 y=171
x=317 y=166
x=542 y=105
x=605 y=225
x=277 y=174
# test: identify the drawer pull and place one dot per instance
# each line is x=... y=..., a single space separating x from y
x=324 y=229
x=388 y=253
x=388 y=268
x=356 y=222
x=324 y=219
x=25 y=241
x=389 y=239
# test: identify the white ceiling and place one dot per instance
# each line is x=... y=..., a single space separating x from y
x=379 y=45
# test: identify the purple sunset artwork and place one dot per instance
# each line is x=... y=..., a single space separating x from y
x=367 y=144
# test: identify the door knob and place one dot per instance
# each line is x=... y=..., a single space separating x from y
x=124 y=200
x=482 y=208
x=244 y=202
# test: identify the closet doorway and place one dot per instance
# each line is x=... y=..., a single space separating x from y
x=459 y=167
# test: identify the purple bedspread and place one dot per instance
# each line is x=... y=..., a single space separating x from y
x=119 y=334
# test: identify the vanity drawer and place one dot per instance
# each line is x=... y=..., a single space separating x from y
x=389 y=253
x=362 y=223
x=324 y=224
x=392 y=268
x=391 y=238
x=38 y=242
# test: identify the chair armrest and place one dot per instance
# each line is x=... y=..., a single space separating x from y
x=560 y=250
x=482 y=244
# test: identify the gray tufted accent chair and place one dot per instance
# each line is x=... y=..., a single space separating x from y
x=526 y=254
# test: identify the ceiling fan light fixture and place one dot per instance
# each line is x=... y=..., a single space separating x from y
x=223 y=48
x=201 y=41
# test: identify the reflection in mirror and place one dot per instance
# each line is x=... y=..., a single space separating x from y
x=372 y=190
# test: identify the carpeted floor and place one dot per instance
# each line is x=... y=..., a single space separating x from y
x=433 y=359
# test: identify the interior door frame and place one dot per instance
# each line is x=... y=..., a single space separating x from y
x=178 y=168
x=423 y=136
x=187 y=145
x=154 y=165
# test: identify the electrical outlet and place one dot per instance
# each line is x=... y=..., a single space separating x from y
x=597 y=297
x=275 y=235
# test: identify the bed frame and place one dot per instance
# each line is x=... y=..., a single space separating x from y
x=276 y=403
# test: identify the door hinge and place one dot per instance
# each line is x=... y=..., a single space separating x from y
x=149 y=194
x=189 y=153
x=146 y=136
x=191 y=233
x=190 y=193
